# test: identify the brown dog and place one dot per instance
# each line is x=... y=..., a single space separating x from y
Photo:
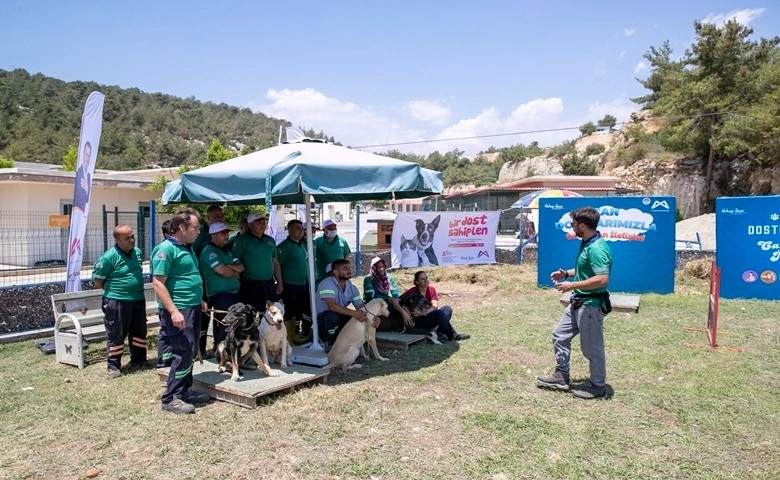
x=352 y=338
x=273 y=338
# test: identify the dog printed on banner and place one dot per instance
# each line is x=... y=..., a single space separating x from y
x=425 y=235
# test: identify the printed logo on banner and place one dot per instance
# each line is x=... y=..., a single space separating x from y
x=553 y=206
x=616 y=224
x=660 y=203
x=732 y=211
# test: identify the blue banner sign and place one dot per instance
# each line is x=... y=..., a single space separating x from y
x=640 y=232
x=747 y=236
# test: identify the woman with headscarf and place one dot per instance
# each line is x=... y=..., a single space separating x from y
x=380 y=284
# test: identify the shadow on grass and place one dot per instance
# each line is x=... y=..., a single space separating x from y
x=417 y=357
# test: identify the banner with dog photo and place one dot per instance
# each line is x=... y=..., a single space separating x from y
x=426 y=239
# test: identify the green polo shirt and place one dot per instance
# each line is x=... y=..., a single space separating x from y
x=121 y=273
x=294 y=261
x=370 y=292
x=179 y=265
x=212 y=257
x=325 y=252
x=204 y=238
x=257 y=255
x=594 y=259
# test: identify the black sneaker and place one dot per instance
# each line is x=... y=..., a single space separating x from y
x=194 y=397
x=557 y=381
x=177 y=405
x=590 y=392
x=114 y=373
x=462 y=336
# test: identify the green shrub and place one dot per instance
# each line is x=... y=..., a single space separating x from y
x=595 y=149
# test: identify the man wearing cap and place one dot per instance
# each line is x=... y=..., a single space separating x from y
x=220 y=271
x=328 y=248
x=294 y=261
x=119 y=273
x=261 y=280
x=334 y=295
x=213 y=214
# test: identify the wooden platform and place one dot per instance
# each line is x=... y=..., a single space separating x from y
x=620 y=303
x=254 y=383
x=397 y=340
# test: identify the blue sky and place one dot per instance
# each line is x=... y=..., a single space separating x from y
x=373 y=73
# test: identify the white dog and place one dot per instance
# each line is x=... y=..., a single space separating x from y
x=273 y=338
x=352 y=338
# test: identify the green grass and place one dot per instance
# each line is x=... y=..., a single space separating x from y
x=460 y=410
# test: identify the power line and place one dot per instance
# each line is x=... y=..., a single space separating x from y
x=469 y=138
x=528 y=132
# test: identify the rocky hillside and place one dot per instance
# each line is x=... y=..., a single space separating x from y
x=656 y=172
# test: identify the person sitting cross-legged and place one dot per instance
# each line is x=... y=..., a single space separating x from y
x=433 y=316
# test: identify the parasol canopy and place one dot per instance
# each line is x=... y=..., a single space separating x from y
x=531 y=200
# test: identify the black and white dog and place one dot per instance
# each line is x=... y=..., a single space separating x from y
x=425 y=233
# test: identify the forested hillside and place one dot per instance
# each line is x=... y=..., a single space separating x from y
x=40 y=117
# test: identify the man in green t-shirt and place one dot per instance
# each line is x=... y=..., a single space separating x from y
x=220 y=271
x=261 y=280
x=294 y=262
x=214 y=214
x=330 y=246
x=179 y=289
x=585 y=314
x=119 y=273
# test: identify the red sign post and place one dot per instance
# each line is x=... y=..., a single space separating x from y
x=712 y=315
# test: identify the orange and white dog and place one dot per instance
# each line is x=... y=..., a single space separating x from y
x=353 y=337
x=273 y=338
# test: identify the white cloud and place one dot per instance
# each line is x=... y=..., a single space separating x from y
x=744 y=16
x=429 y=112
x=348 y=122
x=538 y=114
x=357 y=125
x=640 y=67
x=623 y=54
x=629 y=31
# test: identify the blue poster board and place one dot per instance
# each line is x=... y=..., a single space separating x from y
x=640 y=231
x=747 y=236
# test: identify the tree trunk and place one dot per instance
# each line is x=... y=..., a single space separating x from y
x=705 y=195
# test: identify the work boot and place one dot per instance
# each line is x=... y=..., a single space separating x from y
x=557 y=381
x=177 y=405
x=292 y=337
x=114 y=373
x=590 y=392
x=191 y=396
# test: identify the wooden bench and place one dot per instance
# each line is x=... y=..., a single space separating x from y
x=85 y=321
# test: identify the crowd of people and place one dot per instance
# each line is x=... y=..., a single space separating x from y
x=199 y=271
